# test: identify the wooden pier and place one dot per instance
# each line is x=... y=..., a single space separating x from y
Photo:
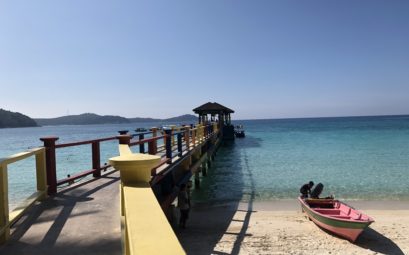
x=113 y=212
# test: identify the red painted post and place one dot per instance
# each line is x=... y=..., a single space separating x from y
x=51 y=167
x=124 y=139
x=96 y=159
x=153 y=145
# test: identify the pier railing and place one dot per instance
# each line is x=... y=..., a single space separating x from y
x=169 y=143
x=8 y=218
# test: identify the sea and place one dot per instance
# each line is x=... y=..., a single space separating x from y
x=356 y=158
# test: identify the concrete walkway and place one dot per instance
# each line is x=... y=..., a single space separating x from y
x=80 y=220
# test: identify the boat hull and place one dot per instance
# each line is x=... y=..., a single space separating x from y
x=348 y=229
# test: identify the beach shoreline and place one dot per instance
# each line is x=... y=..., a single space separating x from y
x=279 y=227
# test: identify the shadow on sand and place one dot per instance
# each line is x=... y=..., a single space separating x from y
x=375 y=241
x=371 y=239
x=229 y=182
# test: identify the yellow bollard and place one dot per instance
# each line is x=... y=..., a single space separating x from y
x=135 y=168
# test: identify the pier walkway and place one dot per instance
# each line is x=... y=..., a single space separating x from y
x=125 y=212
x=83 y=219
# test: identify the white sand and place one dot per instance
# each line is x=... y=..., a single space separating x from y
x=280 y=228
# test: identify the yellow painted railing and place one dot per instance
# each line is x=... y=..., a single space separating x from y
x=8 y=218
x=145 y=229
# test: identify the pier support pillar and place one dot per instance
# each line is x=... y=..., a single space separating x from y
x=197 y=180
x=204 y=169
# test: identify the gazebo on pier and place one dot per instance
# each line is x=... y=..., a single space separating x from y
x=217 y=112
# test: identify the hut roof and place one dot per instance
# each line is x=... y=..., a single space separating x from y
x=212 y=108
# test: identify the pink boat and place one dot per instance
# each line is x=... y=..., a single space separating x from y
x=336 y=217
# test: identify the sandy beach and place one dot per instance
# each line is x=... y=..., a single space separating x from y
x=279 y=227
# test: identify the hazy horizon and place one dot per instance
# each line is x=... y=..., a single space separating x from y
x=235 y=119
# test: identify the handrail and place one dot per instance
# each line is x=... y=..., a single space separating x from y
x=64 y=145
x=139 y=204
x=8 y=218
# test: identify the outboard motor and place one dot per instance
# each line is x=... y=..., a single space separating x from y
x=316 y=192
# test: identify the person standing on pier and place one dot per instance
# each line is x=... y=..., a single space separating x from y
x=184 y=205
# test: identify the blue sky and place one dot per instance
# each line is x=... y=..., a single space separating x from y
x=264 y=59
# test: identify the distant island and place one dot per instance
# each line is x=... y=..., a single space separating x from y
x=91 y=118
x=10 y=119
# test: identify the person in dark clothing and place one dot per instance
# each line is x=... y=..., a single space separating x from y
x=306 y=189
x=316 y=192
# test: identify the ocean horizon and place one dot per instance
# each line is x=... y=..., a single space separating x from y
x=356 y=157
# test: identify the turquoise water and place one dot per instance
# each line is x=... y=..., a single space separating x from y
x=355 y=158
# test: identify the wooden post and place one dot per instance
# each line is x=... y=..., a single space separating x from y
x=96 y=159
x=173 y=127
x=142 y=145
x=194 y=137
x=124 y=139
x=153 y=145
x=198 y=133
x=187 y=137
x=205 y=130
x=4 y=205
x=51 y=167
x=180 y=148
x=168 y=133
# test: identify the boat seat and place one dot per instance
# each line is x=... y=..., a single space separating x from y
x=328 y=211
x=341 y=216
